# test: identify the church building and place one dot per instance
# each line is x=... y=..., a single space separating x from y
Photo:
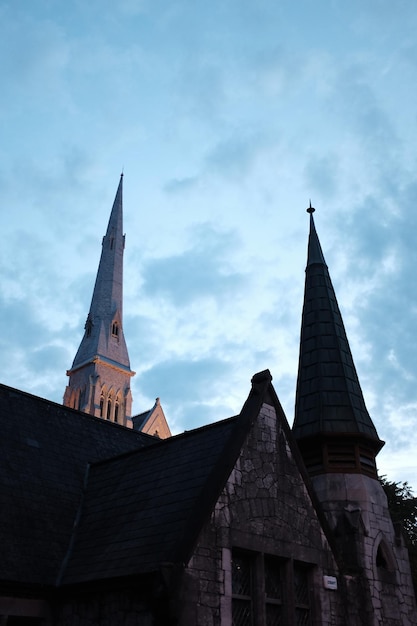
x=105 y=518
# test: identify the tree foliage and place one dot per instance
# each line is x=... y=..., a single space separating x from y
x=402 y=505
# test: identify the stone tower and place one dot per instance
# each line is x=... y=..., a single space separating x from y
x=339 y=444
x=99 y=378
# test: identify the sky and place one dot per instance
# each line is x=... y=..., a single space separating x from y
x=226 y=118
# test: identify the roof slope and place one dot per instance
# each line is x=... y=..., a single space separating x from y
x=83 y=499
x=44 y=450
x=329 y=398
x=147 y=508
x=137 y=506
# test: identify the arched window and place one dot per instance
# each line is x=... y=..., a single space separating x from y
x=381 y=560
x=101 y=404
x=80 y=399
x=108 y=415
x=116 y=410
x=115 y=329
x=384 y=559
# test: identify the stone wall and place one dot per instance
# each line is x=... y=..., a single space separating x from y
x=264 y=509
x=378 y=580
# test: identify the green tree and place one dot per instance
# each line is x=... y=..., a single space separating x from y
x=402 y=505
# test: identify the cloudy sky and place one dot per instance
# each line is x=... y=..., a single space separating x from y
x=226 y=118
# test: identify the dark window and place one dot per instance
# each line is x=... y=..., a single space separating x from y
x=381 y=561
x=241 y=590
x=108 y=409
x=101 y=405
x=273 y=592
x=301 y=594
x=270 y=591
x=88 y=325
x=116 y=412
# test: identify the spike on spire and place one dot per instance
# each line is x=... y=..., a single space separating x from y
x=315 y=253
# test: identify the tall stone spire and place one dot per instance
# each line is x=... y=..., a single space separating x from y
x=99 y=378
x=332 y=423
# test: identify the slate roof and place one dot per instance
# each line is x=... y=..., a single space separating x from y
x=44 y=451
x=140 y=419
x=329 y=398
x=83 y=499
x=138 y=507
x=146 y=508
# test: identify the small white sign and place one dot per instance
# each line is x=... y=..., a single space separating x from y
x=330 y=582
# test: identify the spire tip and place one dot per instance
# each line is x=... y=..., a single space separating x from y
x=310 y=209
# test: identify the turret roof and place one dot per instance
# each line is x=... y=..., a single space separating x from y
x=329 y=398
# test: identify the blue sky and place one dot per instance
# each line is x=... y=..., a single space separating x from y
x=226 y=118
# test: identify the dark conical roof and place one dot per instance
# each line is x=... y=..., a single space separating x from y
x=329 y=398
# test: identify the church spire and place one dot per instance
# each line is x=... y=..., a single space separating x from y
x=99 y=378
x=332 y=424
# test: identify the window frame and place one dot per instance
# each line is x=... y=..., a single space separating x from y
x=259 y=600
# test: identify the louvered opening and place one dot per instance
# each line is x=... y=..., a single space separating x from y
x=341 y=456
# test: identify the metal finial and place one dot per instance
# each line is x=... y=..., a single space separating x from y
x=310 y=209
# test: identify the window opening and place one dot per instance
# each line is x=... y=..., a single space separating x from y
x=381 y=561
x=108 y=416
x=269 y=590
x=241 y=590
x=384 y=558
x=101 y=405
x=88 y=325
x=116 y=412
x=115 y=329
x=273 y=592
x=301 y=592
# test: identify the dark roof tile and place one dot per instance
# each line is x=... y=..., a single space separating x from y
x=44 y=451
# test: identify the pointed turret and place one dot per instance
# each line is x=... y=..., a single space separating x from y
x=99 y=378
x=332 y=424
x=339 y=444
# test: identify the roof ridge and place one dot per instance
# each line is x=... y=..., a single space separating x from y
x=157 y=442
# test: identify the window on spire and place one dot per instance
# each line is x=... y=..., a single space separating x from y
x=115 y=329
x=88 y=325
